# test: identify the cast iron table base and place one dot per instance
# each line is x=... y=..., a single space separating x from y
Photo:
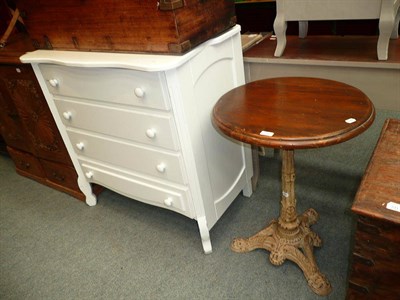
x=290 y=237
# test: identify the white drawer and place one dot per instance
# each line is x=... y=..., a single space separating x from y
x=170 y=197
x=161 y=164
x=129 y=87
x=144 y=127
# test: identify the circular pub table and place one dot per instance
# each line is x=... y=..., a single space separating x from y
x=292 y=113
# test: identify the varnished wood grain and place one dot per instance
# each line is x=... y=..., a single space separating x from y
x=17 y=45
x=301 y=112
x=124 y=26
x=381 y=182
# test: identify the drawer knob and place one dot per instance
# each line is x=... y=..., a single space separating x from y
x=169 y=202
x=161 y=168
x=151 y=133
x=54 y=82
x=67 y=115
x=80 y=146
x=89 y=175
x=139 y=92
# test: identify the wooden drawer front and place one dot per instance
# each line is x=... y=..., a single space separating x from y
x=376 y=259
x=62 y=175
x=11 y=126
x=162 y=164
x=378 y=238
x=380 y=269
x=26 y=163
x=120 y=86
x=158 y=194
x=144 y=127
x=373 y=277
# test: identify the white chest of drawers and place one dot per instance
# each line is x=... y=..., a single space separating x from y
x=140 y=125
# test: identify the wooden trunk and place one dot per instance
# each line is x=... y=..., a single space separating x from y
x=164 y=26
x=375 y=269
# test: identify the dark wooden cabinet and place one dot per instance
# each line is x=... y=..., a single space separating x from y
x=27 y=126
x=375 y=269
x=12 y=130
x=28 y=110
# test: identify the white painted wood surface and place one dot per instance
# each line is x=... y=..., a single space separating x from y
x=387 y=11
x=140 y=124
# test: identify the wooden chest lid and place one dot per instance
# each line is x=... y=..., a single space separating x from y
x=381 y=182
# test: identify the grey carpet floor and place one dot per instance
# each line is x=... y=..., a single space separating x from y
x=55 y=247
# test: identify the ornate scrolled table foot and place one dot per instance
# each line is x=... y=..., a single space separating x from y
x=290 y=237
x=297 y=249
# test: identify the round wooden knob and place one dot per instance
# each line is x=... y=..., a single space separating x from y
x=139 y=92
x=89 y=175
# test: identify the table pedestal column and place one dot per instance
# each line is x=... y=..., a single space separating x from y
x=290 y=237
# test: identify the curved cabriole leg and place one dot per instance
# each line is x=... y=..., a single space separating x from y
x=205 y=235
x=280 y=26
x=290 y=237
x=387 y=20
x=86 y=189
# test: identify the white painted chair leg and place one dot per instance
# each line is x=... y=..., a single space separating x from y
x=383 y=45
x=280 y=26
x=86 y=189
x=205 y=235
x=386 y=24
x=303 y=29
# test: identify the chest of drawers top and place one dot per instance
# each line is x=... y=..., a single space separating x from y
x=140 y=62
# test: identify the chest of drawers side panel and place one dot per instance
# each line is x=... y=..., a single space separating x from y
x=221 y=168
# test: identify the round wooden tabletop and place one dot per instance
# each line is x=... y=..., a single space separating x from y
x=293 y=112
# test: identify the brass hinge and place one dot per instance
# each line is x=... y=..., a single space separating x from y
x=170 y=4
